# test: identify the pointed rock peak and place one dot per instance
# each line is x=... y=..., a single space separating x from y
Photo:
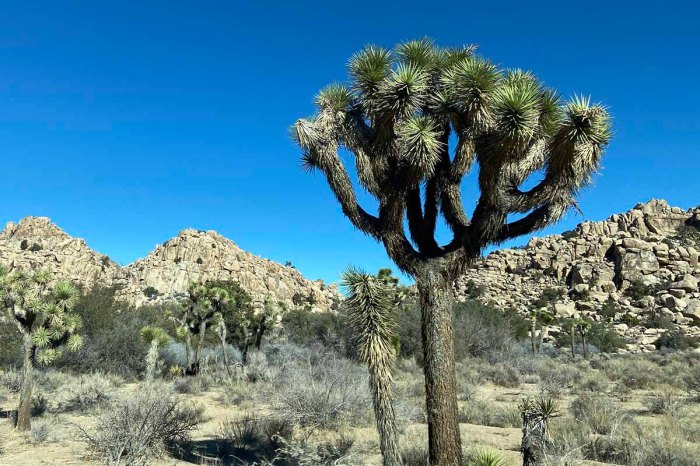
x=33 y=227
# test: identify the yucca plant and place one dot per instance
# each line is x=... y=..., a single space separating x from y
x=536 y=415
x=487 y=458
x=370 y=313
x=43 y=313
x=398 y=116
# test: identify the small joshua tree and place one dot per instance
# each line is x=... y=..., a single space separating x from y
x=536 y=415
x=44 y=316
x=369 y=307
x=156 y=338
x=583 y=328
x=540 y=319
x=398 y=116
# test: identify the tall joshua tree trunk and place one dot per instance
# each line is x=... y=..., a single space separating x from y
x=24 y=412
x=435 y=297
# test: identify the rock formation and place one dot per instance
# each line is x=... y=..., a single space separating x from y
x=652 y=249
x=163 y=275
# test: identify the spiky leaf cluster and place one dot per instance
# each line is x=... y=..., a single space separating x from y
x=399 y=114
x=42 y=312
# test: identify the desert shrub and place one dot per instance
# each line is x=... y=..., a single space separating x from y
x=638 y=290
x=549 y=296
x=323 y=395
x=11 y=379
x=150 y=292
x=39 y=405
x=599 y=413
x=554 y=373
x=140 y=427
x=41 y=431
x=659 y=444
x=605 y=338
x=327 y=453
x=665 y=402
x=568 y=437
x=192 y=385
x=330 y=329
x=633 y=372
x=691 y=381
x=238 y=393
x=85 y=393
x=414 y=455
x=504 y=375
x=675 y=339
x=483 y=413
x=594 y=382
x=112 y=335
x=482 y=331
x=258 y=369
x=10 y=345
x=253 y=439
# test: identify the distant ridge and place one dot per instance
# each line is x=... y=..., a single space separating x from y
x=35 y=242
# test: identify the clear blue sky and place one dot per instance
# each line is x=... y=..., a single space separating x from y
x=126 y=122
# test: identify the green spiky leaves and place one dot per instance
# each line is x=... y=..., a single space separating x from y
x=369 y=307
x=405 y=91
x=335 y=98
x=586 y=123
x=419 y=140
x=369 y=68
x=149 y=334
x=44 y=313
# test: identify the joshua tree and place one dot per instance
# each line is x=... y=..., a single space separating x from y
x=539 y=318
x=398 y=116
x=156 y=338
x=369 y=306
x=583 y=327
x=203 y=304
x=44 y=316
x=536 y=415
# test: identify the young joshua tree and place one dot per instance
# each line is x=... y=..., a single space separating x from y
x=370 y=312
x=399 y=116
x=44 y=316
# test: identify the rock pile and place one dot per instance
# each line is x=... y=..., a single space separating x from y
x=640 y=263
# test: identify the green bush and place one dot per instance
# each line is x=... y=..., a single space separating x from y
x=676 y=340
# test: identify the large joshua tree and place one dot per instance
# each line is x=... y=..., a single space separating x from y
x=417 y=119
x=44 y=316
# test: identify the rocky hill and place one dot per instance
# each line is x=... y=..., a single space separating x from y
x=164 y=274
x=639 y=263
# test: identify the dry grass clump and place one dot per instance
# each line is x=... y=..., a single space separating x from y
x=691 y=381
x=665 y=402
x=635 y=373
x=84 y=393
x=11 y=379
x=139 y=427
x=601 y=414
x=483 y=413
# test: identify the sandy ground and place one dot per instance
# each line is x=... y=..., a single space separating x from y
x=65 y=446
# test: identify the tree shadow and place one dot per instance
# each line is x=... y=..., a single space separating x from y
x=214 y=452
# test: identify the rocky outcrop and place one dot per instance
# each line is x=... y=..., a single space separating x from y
x=163 y=275
x=652 y=248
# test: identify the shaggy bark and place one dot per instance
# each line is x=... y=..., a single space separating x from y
x=24 y=412
x=439 y=369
